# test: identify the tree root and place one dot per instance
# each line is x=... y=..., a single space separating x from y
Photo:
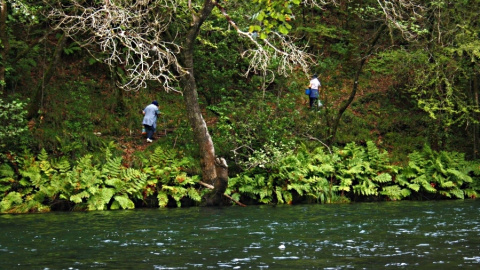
x=228 y=196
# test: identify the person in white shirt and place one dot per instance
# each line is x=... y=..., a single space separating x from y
x=314 y=89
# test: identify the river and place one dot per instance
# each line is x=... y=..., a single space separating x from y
x=388 y=235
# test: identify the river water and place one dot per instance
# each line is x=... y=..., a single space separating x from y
x=390 y=235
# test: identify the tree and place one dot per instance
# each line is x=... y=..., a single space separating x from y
x=357 y=32
x=154 y=40
x=439 y=67
x=22 y=33
x=4 y=42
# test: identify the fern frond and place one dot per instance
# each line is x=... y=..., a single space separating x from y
x=100 y=199
x=471 y=193
x=62 y=165
x=194 y=194
x=458 y=193
x=162 y=199
x=123 y=202
x=428 y=187
x=299 y=188
x=10 y=201
x=6 y=179
x=395 y=192
x=460 y=176
x=265 y=193
x=31 y=176
x=383 y=178
x=278 y=193
x=112 y=168
x=447 y=184
x=357 y=169
x=43 y=156
x=134 y=180
x=365 y=188
x=345 y=184
x=78 y=198
x=414 y=187
x=287 y=196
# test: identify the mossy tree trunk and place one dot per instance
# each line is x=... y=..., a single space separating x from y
x=190 y=93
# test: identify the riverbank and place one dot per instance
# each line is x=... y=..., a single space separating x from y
x=166 y=179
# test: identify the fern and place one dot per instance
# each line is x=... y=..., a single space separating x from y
x=6 y=178
x=78 y=198
x=162 y=198
x=365 y=188
x=176 y=192
x=99 y=198
x=194 y=194
x=395 y=192
x=458 y=193
x=278 y=193
x=123 y=202
x=10 y=201
x=61 y=166
x=459 y=176
x=383 y=178
x=112 y=168
x=301 y=189
x=43 y=156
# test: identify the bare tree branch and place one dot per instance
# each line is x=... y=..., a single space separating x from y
x=131 y=34
x=276 y=47
x=403 y=15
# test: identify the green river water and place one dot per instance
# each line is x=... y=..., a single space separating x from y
x=390 y=235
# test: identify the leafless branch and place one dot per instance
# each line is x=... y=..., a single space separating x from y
x=403 y=15
x=310 y=137
x=319 y=3
x=130 y=33
x=275 y=47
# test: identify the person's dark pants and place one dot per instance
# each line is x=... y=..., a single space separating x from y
x=312 y=101
x=149 y=130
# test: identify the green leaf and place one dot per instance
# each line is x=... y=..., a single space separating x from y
x=162 y=199
x=124 y=202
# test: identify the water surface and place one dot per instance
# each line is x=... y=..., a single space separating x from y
x=393 y=235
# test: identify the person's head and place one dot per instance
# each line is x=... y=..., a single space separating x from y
x=315 y=76
x=155 y=103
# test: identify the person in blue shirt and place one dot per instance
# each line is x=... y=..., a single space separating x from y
x=150 y=119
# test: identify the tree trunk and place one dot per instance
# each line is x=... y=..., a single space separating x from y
x=4 y=43
x=346 y=104
x=36 y=102
x=190 y=94
x=475 y=90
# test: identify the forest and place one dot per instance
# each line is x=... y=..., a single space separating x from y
x=399 y=118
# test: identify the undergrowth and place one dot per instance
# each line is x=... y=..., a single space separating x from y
x=353 y=173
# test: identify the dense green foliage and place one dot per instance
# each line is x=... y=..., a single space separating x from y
x=13 y=125
x=32 y=184
x=414 y=93
x=354 y=173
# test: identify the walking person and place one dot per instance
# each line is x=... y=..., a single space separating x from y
x=150 y=119
x=314 y=87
